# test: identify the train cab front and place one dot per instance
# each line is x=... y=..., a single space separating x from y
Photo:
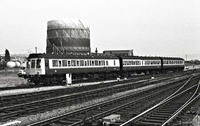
x=35 y=69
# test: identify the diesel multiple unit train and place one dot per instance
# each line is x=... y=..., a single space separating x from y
x=52 y=68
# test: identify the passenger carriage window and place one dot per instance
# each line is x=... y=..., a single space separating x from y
x=92 y=63
x=147 y=62
x=137 y=62
x=64 y=63
x=114 y=62
x=55 y=63
x=69 y=63
x=32 y=63
x=81 y=62
x=125 y=62
x=106 y=63
x=38 y=64
x=86 y=63
x=100 y=63
x=129 y=62
x=60 y=63
x=73 y=63
x=77 y=62
x=96 y=62
x=103 y=62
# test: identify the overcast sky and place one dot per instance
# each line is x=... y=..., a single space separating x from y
x=149 y=27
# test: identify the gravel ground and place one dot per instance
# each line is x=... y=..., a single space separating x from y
x=41 y=116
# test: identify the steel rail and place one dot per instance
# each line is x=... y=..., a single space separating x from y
x=53 y=119
x=46 y=121
x=159 y=104
x=49 y=99
x=175 y=114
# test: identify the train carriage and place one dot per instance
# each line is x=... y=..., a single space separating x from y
x=48 y=67
x=140 y=64
x=172 y=64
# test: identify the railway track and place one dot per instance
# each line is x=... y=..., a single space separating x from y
x=35 y=96
x=11 y=112
x=24 y=108
x=167 y=110
x=85 y=116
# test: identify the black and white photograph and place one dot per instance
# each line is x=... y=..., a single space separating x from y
x=100 y=63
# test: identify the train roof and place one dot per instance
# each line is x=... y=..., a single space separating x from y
x=151 y=58
x=172 y=58
x=141 y=57
x=55 y=56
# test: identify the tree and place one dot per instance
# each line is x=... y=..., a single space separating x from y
x=7 y=56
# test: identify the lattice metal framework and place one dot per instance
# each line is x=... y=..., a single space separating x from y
x=67 y=36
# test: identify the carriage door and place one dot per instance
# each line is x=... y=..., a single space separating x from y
x=47 y=66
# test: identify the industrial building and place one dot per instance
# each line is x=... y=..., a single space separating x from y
x=118 y=52
x=68 y=37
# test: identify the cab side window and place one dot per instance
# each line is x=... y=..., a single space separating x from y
x=32 y=63
x=38 y=63
x=55 y=63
